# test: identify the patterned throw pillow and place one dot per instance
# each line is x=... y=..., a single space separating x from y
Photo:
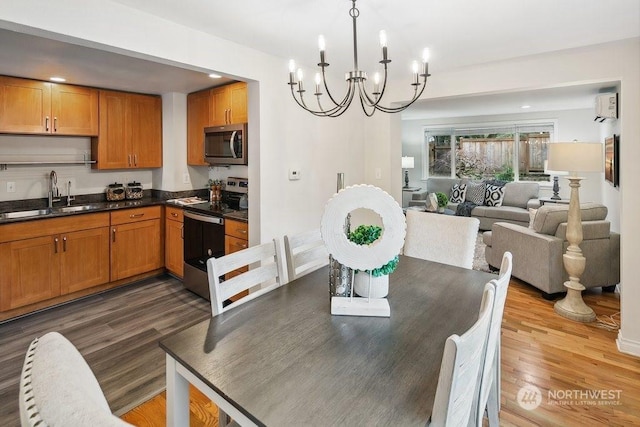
x=532 y=216
x=458 y=192
x=475 y=193
x=493 y=195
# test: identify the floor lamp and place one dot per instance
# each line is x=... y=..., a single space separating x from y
x=407 y=163
x=575 y=157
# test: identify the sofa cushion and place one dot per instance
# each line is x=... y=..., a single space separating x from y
x=532 y=216
x=518 y=193
x=501 y=213
x=475 y=192
x=550 y=216
x=493 y=195
x=458 y=192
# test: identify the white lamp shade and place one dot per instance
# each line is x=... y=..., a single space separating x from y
x=407 y=162
x=575 y=157
x=551 y=172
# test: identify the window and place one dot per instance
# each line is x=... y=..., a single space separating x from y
x=510 y=152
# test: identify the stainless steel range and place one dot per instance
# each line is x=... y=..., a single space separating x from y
x=204 y=234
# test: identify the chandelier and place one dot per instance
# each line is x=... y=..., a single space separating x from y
x=356 y=80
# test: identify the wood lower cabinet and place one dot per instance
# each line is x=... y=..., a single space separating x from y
x=130 y=131
x=235 y=239
x=174 y=241
x=84 y=260
x=37 y=107
x=73 y=254
x=136 y=242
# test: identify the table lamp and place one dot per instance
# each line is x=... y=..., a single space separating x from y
x=575 y=157
x=555 y=174
x=407 y=163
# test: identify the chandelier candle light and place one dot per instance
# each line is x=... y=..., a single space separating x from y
x=356 y=79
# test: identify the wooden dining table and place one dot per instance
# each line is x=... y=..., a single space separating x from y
x=284 y=360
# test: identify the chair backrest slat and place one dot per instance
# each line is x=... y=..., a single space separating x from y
x=459 y=371
x=305 y=253
x=266 y=272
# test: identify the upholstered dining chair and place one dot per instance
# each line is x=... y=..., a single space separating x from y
x=305 y=253
x=58 y=388
x=268 y=275
x=447 y=239
x=460 y=369
x=489 y=391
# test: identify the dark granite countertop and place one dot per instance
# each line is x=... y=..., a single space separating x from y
x=61 y=209
x=19 y=211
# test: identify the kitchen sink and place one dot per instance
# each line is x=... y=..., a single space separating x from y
x=79 y=208
x=24 y=214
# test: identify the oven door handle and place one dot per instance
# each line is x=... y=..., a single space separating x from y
x=204 y=218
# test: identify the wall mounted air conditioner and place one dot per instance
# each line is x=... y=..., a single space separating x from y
x=606 y=107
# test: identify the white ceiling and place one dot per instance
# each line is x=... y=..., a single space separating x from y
x=459 y=33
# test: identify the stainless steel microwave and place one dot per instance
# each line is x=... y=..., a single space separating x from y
x=226 y=145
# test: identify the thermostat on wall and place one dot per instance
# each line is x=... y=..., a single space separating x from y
x=294 y=174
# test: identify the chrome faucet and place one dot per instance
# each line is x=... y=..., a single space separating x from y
x=54 y=193
x=70 y=198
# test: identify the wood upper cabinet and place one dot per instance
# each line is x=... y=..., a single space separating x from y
x=71 y=254
x=35 y=107
x=174 y=241
x=74 y=110
x=130 y=131
x=219 y=106
x=136 y=242
x=198 y=118
x=229 y=104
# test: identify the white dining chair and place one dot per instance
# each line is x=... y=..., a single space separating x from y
x=489 y=390
x=447 y=239
x=267 y=275
x=305 y=253
x=460 y=368
x=57 y=387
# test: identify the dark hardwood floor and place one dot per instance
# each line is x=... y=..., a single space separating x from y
x=117 y=332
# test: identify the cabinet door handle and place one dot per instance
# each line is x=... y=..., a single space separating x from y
x=46 y=123
x=55 y=245
x=64 y=244
x=229 y=115
x=173 y=214
x=55 y=124
x=242 y=231
x=135 y=160
x=129 y=158
x=113 y=238
x=140 y=215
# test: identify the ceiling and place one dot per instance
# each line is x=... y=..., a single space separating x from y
x=459 y=33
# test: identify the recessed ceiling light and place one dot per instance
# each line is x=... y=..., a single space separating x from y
x=57 y=79
x=214 y=76
x=524 y=107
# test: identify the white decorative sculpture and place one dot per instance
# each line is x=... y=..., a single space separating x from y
x=362 y=257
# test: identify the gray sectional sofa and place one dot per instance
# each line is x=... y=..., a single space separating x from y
x=518 y=198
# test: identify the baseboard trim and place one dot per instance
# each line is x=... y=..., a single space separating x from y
x=628 y=346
